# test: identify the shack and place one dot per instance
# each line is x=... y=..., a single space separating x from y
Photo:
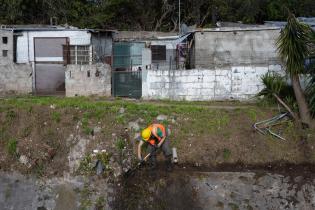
x=50 y=50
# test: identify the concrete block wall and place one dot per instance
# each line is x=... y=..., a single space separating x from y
x=216 y=49
x=6 y=46
x=15 y=79
x=87 y=80
x=237 y=83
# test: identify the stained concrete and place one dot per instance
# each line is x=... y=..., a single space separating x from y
x=15 y=79
x=236 y=82
x=86 y=80
x=219 y=49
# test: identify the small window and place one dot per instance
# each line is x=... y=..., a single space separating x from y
x=79 y=54
x=158 y=52
x=4 y=53
x=5 y=40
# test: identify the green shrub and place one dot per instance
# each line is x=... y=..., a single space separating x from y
x=276 y=84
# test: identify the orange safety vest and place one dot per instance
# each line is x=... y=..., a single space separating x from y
x=154 y=133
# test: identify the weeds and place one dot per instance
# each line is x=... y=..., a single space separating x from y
x=226 y=154
x=56 y=116
x=252 y=114
x=233 y=206
x=222 y=120
x=120 y=144
x=26 y=132
x=11 y=147
x=39 y=170
x=120 y=119
x=100 y=203
x=85 y=201
x=10 y=115
x=86 y=129
x=86 y=166
x=104 y=157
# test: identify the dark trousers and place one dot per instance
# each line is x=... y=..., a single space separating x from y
x=167 y=152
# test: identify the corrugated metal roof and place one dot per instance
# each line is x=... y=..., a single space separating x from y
x=51 y=28
x=307 y=20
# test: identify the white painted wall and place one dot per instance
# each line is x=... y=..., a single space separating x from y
x=25 y=43
x=237 y=82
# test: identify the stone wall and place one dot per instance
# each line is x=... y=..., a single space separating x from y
x=15 y=79
x=86 y=80
x=238 y=82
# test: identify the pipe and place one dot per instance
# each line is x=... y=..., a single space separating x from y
x=175 y=158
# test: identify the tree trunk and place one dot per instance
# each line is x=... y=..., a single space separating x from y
x=301 y=100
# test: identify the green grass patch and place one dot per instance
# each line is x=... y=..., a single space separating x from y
x=10 y=146
x=233 y=206
x=56 y=116
x=226 y=154
x=85 y=125
x=86 y=166
x=120 y=144
x=10 y=115
x=88 y=130
x=121 y=119
x=252 y=114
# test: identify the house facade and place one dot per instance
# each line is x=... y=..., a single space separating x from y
x=224 y=64
x=211 y=64
x=41 y=56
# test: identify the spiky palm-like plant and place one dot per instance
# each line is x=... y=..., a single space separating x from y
x=293 y=48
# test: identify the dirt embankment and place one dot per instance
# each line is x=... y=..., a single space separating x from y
x=50 y=136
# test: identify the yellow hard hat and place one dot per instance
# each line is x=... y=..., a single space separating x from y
x=146 y=133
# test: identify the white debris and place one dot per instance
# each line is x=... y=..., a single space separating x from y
x=24 y=160
x=133 y=126
x=161 y=117
x=121 y=110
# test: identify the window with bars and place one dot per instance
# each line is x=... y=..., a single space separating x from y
x=80 y=54
x=158 y=52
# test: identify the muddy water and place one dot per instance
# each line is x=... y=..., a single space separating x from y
x=161 y=190
x=217 y=190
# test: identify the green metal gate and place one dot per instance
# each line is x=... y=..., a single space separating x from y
x=127 y=84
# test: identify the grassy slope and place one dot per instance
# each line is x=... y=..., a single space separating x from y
x=201 y=133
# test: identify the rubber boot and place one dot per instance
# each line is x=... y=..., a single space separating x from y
x=169 y=164
x=152 y=163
